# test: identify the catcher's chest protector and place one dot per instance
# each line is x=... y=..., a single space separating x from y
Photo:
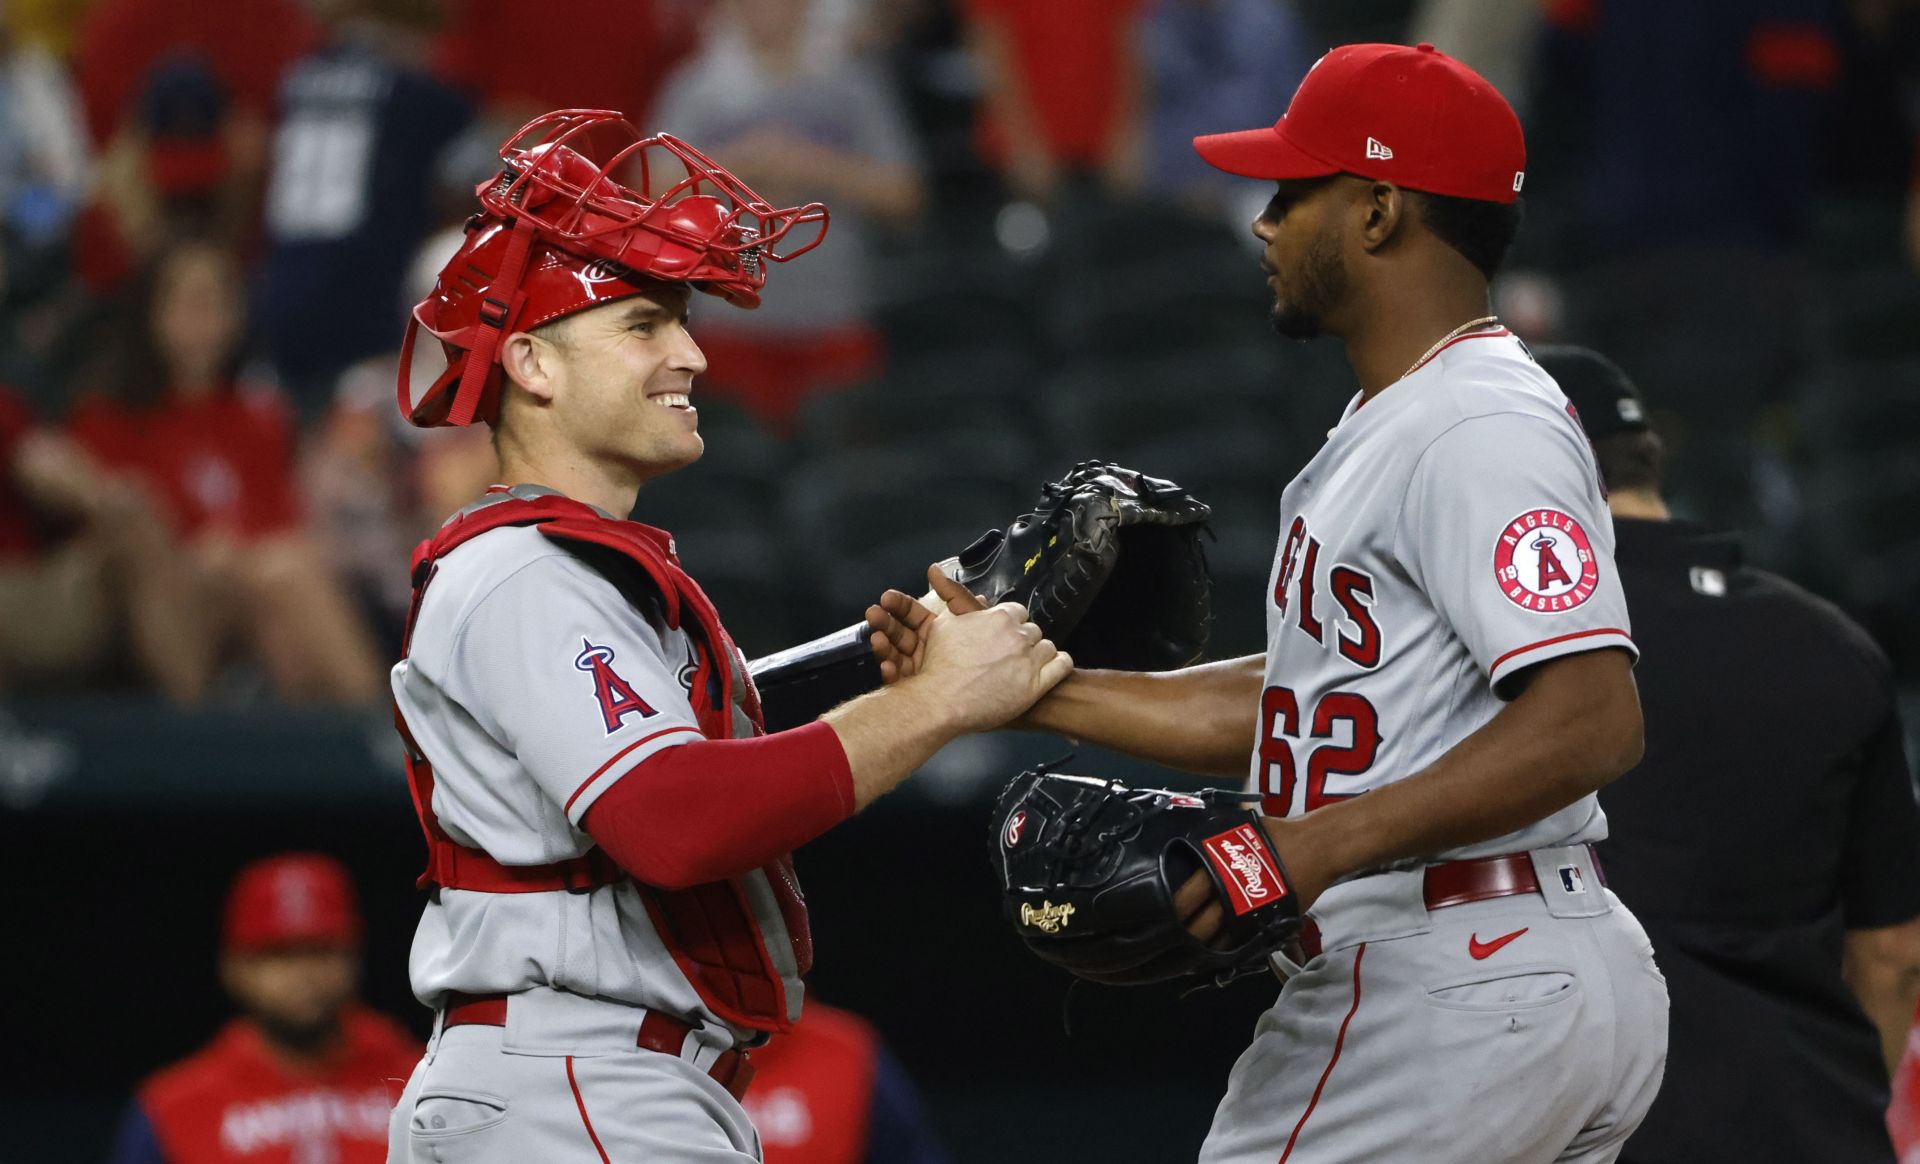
x=710 y=928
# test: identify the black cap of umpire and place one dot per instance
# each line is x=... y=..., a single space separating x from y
x=1607 y=401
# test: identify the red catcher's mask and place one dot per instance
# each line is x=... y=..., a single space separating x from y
x=587 y=210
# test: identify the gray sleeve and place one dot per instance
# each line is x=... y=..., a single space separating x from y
x=557 y=665
x=1505 y=529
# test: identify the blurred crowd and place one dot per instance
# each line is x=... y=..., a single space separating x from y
x=214 y=216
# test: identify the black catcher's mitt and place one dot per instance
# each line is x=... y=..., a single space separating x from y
x=1089 y=868
x=1109 y=564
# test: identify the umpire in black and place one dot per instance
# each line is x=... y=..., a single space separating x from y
x=1769 y=839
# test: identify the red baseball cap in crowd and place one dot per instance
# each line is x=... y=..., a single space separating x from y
x=292 y=899
x=1412 y=116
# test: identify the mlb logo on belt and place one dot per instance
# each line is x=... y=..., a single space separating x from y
x=1240 y=859
x=1571 y=879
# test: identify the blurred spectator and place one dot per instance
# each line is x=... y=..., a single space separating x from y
x=1684 y=148
x=179 y=98
x=45 y=166
x=216 y=455
x=306 y=1073
x=351 y=194
x=522 y=60
x=52 y=26
x=375 y=485
x=1064 y=89
x=85 y=568
x=1493 y=37
x=798 y=121
x=1753 y=86
x=187 y=162
x=1792 y=989
x=830 y=1092
x=1211 y=61
x=248 y=44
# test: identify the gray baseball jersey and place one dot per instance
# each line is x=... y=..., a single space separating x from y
x=1449 y=533
x=533 y=685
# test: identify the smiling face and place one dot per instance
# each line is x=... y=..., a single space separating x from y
x=618 y=382
x=1304 y=254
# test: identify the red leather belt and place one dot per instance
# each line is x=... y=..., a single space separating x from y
x=733 y=1070
x=1461 y=882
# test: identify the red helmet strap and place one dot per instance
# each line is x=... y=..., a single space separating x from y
x=495 y=313
x=406 y=367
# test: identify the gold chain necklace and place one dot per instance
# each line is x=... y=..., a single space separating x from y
x=1448 y=338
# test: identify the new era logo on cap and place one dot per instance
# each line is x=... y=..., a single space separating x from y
x=1452 y=133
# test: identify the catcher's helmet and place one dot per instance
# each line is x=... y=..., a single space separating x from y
x=561 y=230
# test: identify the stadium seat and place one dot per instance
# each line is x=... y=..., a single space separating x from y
x=1111 y=410
x=938 y=420
x=947 y=319
x=863 y=520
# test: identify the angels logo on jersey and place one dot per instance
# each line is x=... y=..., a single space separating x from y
x=1543 y=562
x=618 y=700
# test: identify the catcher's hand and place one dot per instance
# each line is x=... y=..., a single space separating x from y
x=897 y=624
x=1109 y=564
x=1110 y=882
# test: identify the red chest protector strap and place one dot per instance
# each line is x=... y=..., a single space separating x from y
x=710 y=929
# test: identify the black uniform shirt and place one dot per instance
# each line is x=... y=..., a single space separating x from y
x=1773 y=812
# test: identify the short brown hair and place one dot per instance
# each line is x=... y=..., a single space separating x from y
x=1632 y=460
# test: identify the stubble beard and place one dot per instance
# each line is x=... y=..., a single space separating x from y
x=1320 y=283
x=301 y=1036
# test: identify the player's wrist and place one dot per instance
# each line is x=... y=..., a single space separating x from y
x=929 y=700
x=1304 y=850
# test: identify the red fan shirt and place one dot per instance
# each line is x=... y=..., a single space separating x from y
x=234 y=1101
x=1066 y=54
x=216 y=464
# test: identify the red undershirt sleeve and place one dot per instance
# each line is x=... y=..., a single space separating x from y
x=714 y=809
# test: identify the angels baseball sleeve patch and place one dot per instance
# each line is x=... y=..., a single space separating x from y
x=1544 y=562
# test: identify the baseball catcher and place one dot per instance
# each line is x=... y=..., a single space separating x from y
x=1093 y=874
x=1110 y=562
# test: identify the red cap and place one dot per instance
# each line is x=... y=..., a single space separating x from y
x=180 y=166
x=293 y=899
x=1412 y=116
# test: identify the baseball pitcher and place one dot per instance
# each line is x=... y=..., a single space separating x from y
x=1447 y=681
